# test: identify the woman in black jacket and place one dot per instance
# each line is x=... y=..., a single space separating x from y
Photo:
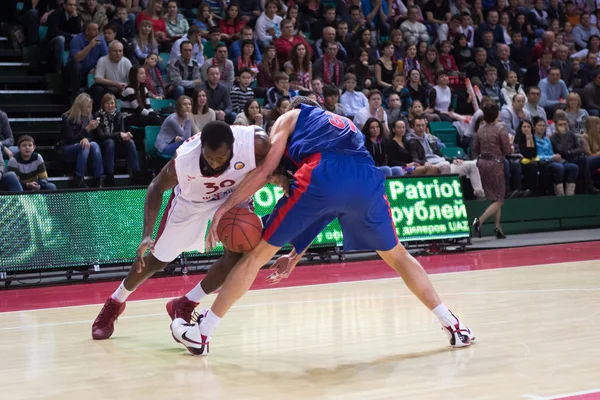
x=376 y=146
x=535 y=170
x=111 y=132
x=76 y=143
x=398 y=154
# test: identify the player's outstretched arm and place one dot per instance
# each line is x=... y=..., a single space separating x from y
x=165 y=180
x=257 y=178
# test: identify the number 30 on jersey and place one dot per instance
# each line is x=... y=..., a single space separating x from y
x=340 y=122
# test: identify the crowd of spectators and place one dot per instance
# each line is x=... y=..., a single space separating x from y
x=393 y=67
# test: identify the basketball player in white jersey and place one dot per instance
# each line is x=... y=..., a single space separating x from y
x=206 y=169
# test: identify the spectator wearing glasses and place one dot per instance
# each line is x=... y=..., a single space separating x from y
x=532 y=106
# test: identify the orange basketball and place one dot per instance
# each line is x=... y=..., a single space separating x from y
x=240 y=230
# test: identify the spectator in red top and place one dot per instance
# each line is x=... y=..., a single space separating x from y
x=231 y=26
x=154 y=13
x=547 y=44
x=285 y=43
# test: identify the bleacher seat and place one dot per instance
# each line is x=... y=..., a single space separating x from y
x=165 y=57
x=150 y=135
x=65 y=57
x=453 y=152
x=91 y=80
x=160 y=104
x=42 y=32
x=445 y=131
x=260 y=101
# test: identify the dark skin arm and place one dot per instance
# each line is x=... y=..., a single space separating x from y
x=165 y=180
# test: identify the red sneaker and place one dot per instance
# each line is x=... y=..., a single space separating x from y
x=181 y=308
x=104 y=325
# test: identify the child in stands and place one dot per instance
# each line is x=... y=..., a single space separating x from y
x=29 y=166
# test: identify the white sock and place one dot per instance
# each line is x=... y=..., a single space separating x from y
x=444 y=315
x=196 y=294
x=121 y=294
x=209 y=324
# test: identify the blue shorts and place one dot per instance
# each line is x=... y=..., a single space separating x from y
x=329 y=186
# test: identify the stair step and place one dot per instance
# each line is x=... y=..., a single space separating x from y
x=22 y=79
x=34 y=109
x=33 y=120
x=11 y=53
x=14 y=64
x=9 y=92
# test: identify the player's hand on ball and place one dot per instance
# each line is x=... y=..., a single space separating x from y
x=283 y=268
x=147 y=244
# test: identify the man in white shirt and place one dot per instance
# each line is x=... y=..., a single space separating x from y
x=194 y=37
x=373 y=110
x=412 y=30
x=352 y=101
x=112 y=73
x=267 y=25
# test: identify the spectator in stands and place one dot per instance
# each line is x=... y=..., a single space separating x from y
x=579 y=77
x=9 y=181
x=591 y=95
x=504 y=64
x=491 y=25
x=63 y=25
x=467 y=29
x=376 y=142
x=462 y=53
x=154 y=81
x=29 y=166
x=268 y=68
x=442 y=98
x=352 y=101
x=246 y=60
x=414 y=91
x=385 y=67
x=535 y=171
x=538 y=71
x=300 y=64
x=476 y=71
x=553 y=92
x=513 y=114
x=214 y=39
x=576 y=116
x=519 y=52
x=184 y=73
x=280 y=90
x=176 y=24
x=511 y=87
x=567 y=145
x=194 y=37
x=86 y=50
x=226 y=68
x=285 y=44
x=176 y=129
x=218 y=96
x=397 y=41
x=329 y=36
x=110 y=133
x=489 y=47
x=231 y=26
x=235 y=50
x=532 y=106
x=293 y=14
x=267 y=25
x=363 y=43
x=76 y=143
x=250 y=114
x=112 y=72
x=7 y=139
x=490 y=146
x=91 y=11
x=125 y=27
x=472 y=126
x=331 y=95
x=557 y=167
x=241 y=93
x=593 y=46
x=360 y=68
x=398 y=154
x=328 y=67
x=280 y=108
x=548 y=44
x=398 y=83
x=109 y=33
x=327 y=19
x=204 y=20
x=29 y=17
x=250 y=9
x=412 y=30
x=201 y=113
x=145 y=43
x=135 y=106
x=538 y=18
x=394 y=111
x=154 y=14
x=449 y=31
x=446 y=60
x=374 y=110
x=584 y=30
x=590 y=143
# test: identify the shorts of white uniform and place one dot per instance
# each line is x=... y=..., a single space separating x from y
x=183 y=227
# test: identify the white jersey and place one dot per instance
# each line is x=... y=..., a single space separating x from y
x=196 y=198
x=196 y=188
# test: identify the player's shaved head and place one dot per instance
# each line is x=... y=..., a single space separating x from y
x=215 y=134
x=302 y=100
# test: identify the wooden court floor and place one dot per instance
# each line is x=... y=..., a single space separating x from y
x=537 y=334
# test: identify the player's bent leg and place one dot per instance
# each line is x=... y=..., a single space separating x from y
x=196 y=337
x=416 y=279
x=104 y=324
x=183 y=307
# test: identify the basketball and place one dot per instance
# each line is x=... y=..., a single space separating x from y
x=240 y=230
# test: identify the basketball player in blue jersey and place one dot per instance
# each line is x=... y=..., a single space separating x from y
x=336 y=178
